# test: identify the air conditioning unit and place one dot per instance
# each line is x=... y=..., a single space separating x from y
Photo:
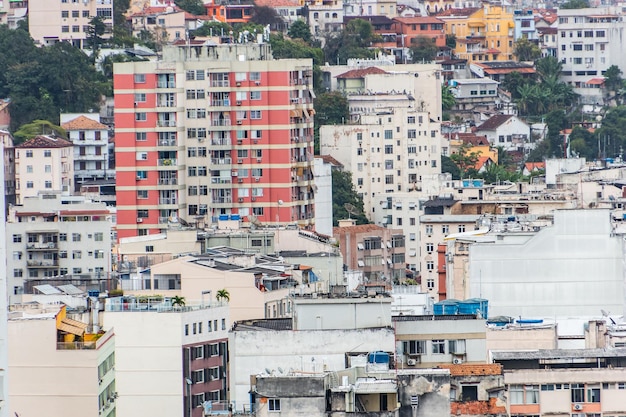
x=257 y=179
x=240 y=180
x=240 y=161
x=139 y=220
x=258 y=83
x=241 y=199
x=139 y=178
x=256 y=141
x=234 y=173
x=238 y=84
x=239 y=122
x=578 y=407
x=411 y=362
x=253 y=198
x=457 y=361
x=239 y=103
x=258 y=159
x=239 y=141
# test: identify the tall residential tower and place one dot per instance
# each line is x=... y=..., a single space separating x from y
x=210 y=131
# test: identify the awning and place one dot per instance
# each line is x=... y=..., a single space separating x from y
x=47 y=289
x=72 y=326
x=595 y=81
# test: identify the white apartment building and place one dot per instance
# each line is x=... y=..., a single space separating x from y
x=50 y=22
x=57 y=367
x=325 y=16
x=160 y=349
x=91 y=150
x=12 y=11
x=51 y=234
x=390 y=150
x=322 y=172
x=590 y=41
x=43 y=163
x=386 y=8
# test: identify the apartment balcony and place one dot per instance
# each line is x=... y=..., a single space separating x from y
x=46 y=246
x=220 y=103
x=168 y=181
x=221 y=142
x=166 y=123
x=167 y=162
x=166 y=103
x=163 y=220
x=220 y=122
x=167 y=142
x=220 y=83
x=221 y=180
x=222 y=200
x=47 y=263
x=221 y=161
x=168 y=201
x=166 y=84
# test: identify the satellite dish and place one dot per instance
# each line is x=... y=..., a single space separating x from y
x=604 y=313
x=280 y=202
x=351 y=209
x=254 y=220
x=281 y=370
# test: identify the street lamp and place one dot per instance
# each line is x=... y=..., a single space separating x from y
x=188 y=384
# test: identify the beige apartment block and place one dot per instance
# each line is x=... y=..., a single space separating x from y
x=50 y=22
x=43 y=163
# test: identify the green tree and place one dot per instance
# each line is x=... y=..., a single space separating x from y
x=297 y=48
x=583 y=143
x=451 y=41
x=223 y=294
x=109 y=60
x=512 y=81
x=548 y=67
x=265 y=15
x=465 y=159
x=95 y=30
x=613 y=130
x=613 y=78
x=300 y=30
x=344 y=193
x=423 y=49
x=448 y=165
x=37 y=127
x=556 y=121
x=447 y=98
x=178 y=301
x=575 y=4
x=192 y=6
x=354 y=41
x=525 y=50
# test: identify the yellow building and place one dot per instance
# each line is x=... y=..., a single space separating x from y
x=482 y=34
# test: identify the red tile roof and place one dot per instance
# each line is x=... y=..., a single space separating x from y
x=83 y=123
x=531 y=166
x=482 y=161
x=361 y=72
x=458 y=12
x=494 y=122
x=360 y=228
x=417 y=20
x=42 y=141
x=472 y=139
x=473 y=369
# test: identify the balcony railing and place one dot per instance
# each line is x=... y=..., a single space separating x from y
x=221 y=180
x=166 y=103
x=166 y=200
x=76 y=345
x=167 y=142
x=168 y=181
x=166 y=123
x=220 y=122
x=222 y=200
x=220 y=83
x=166 y=84
x=41 y=246
x=167 y=162
x=221 y=161
x=221 y=141
x=42 y=264
x=220 y=103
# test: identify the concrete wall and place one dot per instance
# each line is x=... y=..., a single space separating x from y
x=326 y=314
x=432 y=390
x=251 y=352
x=573 y=268
x=521 y=338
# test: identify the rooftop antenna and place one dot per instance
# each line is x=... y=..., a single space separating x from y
x=351 y=209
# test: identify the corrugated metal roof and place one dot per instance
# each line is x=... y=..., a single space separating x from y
x=47 y=289
x=70 y=289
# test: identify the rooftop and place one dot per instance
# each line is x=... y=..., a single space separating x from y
x=264 y=324
x=471 y=369
x=495 y=121
x=466 y=12
x=559 y=354
x=43 y=141
x=417 y=20
x=83 y=123
x=361 y=72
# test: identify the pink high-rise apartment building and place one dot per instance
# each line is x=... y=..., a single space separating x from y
x=210 y=132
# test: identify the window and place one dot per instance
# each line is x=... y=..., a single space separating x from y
x=65 y=14
x=104 y=13
x=461 y=228
x=140 y=78
x=255 y=114
x=414 y=347
x=516 y=393
x=255 y=95
x=29 y=169
x=532 y=394
x=149 y=248
x=65 y=29
x=456 y=347
x=141 y=117
x=29 y=154
x=141 y=136
x=439 y=346
x=388 y=134
x=85 y=13
x=430 y=265
x=142 y=194
x=430 y=247
x=273 y=404
x=76 y=254
x=48 y=184
x=47 y=153
x=76 y=237
x=578 y=393
x=593 y=394
x=429 y=229
x=62 y=237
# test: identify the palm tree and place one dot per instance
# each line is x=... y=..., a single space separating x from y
x=447 y=98
x=549 y=67
x=223 y=294
x=179 y=301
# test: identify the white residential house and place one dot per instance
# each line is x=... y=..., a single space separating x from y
x=91 y=147
x=507 y=131
x=43 y=163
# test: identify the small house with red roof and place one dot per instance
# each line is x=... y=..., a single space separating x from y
x=353 y=81
x=530 y=167
x=507 y=131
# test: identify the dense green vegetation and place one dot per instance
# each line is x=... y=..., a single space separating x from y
x=343 y=194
